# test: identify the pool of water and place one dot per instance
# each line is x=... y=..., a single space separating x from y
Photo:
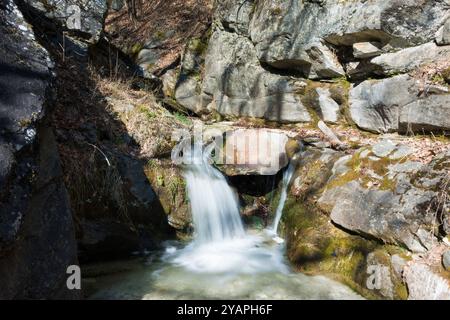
x=253 y=267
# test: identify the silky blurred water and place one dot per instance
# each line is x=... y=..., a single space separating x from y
x=223 y=261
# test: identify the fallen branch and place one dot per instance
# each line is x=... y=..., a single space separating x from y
x=106 y=158
x=331 y=136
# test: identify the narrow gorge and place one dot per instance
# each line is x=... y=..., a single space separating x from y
x=233 y=149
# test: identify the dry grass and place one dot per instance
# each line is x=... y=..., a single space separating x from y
x=424 y=148
x=437 y=73
x=146 y=121
x=181 y=19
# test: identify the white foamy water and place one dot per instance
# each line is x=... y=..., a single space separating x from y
x=223 y=261
x=214 y=205
x=221 y=245
x=287 y=176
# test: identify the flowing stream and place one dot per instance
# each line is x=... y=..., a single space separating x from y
x=287 y=176
x=224 y=261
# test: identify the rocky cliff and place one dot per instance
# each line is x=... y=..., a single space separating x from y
x=37 y=240
x=358 y=89
x=279 y=60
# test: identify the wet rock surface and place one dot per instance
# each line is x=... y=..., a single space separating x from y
x=37 y=240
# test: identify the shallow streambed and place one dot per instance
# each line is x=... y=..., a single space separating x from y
x=248 y=268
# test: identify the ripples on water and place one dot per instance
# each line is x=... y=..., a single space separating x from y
x=223 y=261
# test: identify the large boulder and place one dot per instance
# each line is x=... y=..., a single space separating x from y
x=397 y=105
x=255 y=152
x=284 y=31
x=237 y=85
x=316 y=246
x=396 y=201
x=329 y=108
x=37 y=237
x=375 y=105
x=84 y=17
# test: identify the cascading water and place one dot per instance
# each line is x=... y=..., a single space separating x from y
x=287 y=176
x=220 y=244
x=214 y=205
x=223 y=261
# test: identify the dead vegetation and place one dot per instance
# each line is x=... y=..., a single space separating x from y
x=147 y=122
x=171 y=22
x=434 y=76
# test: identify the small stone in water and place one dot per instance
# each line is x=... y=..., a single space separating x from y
x=278 y=240
x=171 y=250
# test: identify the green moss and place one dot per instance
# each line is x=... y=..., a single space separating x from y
x=180 y=117
x=276 y=11
x=400 y=291
x=170 y=187
x=147 y=112
x=360 y=170
x=446 y=75
x=160 y=180
x=176 y=186
x=316 y=247
x=136 y=48
x=198 y=46
x=25 y=123
x=159 y=35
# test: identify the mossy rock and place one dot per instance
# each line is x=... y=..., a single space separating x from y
x=316 y=247
x=170 y=187
x=313 y=172
x=369 y=172
x=446 y=75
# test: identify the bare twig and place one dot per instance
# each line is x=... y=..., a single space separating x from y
x=97 y=148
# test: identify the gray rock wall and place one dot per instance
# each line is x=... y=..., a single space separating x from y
x=37 y=237
x=259 y=52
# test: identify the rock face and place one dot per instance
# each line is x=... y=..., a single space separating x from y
x=284 y=31
x=83 y=17
x=395 y=202
x=170 y=188
x=259 y=54
x=37 y=237
x=409 y=59
x=428 y=114
x=423 y=284
x=187 y=89
x=255 y=152
x=237 y=85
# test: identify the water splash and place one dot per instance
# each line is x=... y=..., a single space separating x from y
x=221 y=244
x=223 y=261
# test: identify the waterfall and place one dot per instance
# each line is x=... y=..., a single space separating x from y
x=214 y=205
x=220 y=244
x=287 y=176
